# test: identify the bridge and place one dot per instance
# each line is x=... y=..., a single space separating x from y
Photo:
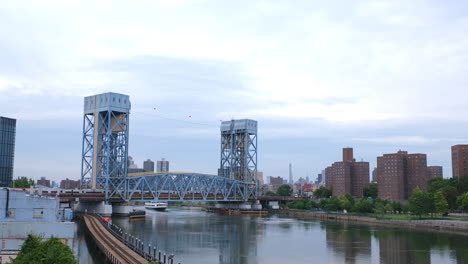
x=105 y=151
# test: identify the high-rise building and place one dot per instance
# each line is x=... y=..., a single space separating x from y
x=7 y=150
x=459 y=160
x=43 y=182
x=398 y=174
x=148 y=165
x=348 y=154
x=434 y=172
x=70 y=184
x=291 y=181
x=162 y=165
x=276 y=180
x=347 y=176
x=259 y=178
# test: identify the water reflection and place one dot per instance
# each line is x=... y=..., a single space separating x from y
x=348 y=241
x=185 y=232
x=199 y=237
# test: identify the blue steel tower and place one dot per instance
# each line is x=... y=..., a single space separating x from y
x=105 y=139
x=239 y=150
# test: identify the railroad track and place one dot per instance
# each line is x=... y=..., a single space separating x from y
x=120 y=252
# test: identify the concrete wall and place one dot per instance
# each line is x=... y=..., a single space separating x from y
x=25 y=207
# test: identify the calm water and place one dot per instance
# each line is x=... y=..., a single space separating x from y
x=195 y=236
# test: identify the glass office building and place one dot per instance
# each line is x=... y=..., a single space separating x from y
x=7 y=150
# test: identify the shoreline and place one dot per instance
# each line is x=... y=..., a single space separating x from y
x=424 y=224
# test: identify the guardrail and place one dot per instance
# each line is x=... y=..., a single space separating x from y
x=150 y=253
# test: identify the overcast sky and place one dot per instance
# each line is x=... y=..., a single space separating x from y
x=378 y=76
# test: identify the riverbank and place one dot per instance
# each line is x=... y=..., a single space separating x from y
x=433 y=224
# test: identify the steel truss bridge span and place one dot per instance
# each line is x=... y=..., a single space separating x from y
x=177 y=186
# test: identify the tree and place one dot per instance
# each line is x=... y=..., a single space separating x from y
x=51 y=251
x=363 y=206
x=436 y=184
x=462 y=201
x=450 y=193
x=333 y=204
x=346 y=202
x=284 y=190
x=420 y=202
x=371 y=191
x=22 y=182
x=270 y=193
x=440 y=203
x=322 y=192
x=396 y=207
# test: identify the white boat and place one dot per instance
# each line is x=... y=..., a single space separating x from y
x=157 y=205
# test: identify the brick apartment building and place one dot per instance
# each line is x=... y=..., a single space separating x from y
x=399 y=173
x=459 y=160
x=347 y=176
x=434 y=172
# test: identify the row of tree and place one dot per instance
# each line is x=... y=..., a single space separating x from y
x=420 y=203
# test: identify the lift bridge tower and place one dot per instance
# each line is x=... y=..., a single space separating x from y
x=105 y=139
x=239 y=151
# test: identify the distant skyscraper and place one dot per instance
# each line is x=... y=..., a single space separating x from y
x=459 y=160
x=44 y=182
x=7 y=150
x=162 y=165
x=276 y=180
x=348 y=176
x=291 y=181
x=148 y=165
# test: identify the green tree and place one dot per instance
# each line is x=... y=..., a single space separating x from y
x=462 y=201
x=379 y=206
x=396 y=207
x=363 y=206
x=22 y=182
x=322 y=192
x=51 y=251
x=270 y=193
x=420 y=202
x=440 y=203
x=436 y=184
x=371 y=191
x=284 y=190
x=346 y=202
x=333 y=204
x=450 y=193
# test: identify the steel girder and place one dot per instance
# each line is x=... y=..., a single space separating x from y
x=239 y=150
x=105 y=147
x=179 y=187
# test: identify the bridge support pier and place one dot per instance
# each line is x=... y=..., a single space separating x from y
x=94 y=207
x=121 y=208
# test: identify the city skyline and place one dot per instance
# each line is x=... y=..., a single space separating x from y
x=317 y=76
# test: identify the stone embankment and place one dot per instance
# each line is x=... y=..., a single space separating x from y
x=435 y=224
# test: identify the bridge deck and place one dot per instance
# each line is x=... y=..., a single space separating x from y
x=115 y=250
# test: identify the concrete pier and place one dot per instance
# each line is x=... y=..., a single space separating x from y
x=94 y=207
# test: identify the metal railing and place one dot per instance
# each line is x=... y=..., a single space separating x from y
x=150 y=253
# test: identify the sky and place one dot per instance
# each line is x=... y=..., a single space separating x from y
x=378 y=76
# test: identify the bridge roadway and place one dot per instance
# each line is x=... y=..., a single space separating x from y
x=115 y=251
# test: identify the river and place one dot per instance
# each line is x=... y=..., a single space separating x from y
x=195 y=236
